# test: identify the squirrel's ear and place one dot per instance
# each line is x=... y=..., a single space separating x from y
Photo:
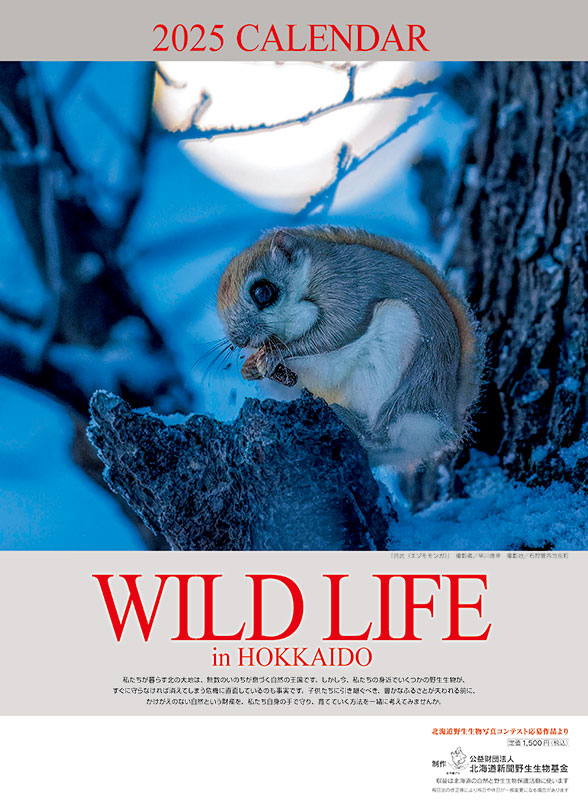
x=284 y=243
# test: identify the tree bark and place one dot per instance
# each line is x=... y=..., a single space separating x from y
x=282 y=476
x=521 y=206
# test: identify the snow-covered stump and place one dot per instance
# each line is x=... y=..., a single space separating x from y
x=282 y=476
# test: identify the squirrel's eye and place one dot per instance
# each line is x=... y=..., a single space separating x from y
x=263 y=294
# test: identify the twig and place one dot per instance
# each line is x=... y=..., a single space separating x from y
x=200 y=107
x=143 y=141
x=17 y=135
x=15 y=315
x=347 y=164
x=167 y=80
x=32 y=158
x=411 y=90
x=351 y=76
x=409 y=122
x=138 y=144
x=324 y=197
x=47 y=211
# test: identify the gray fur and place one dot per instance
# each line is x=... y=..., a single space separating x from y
x=346 y=282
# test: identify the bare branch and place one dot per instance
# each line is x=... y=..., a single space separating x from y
x=414 y=89
x=346 y=164
x=16 y=315
x=9 y=158
x=409 y=122
x=99 y=333
x=18 y=137
x=323 y=199
x=201 y=106
x=351 y=76
x=47 y=209
x=61 y=227
x=71 y=372
x=141 y=148
x=166 y=78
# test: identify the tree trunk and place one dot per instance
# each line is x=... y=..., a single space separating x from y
x=521 y=204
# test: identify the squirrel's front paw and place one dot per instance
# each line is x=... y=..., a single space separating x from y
x=254 y=368
x=265 y=365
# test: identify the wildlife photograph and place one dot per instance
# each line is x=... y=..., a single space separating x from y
x=294 y=306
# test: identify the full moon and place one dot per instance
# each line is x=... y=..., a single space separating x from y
x=281 y=168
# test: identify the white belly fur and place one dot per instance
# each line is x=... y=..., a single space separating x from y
x=362 y=375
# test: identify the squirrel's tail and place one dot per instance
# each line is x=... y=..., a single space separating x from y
x=470 y=376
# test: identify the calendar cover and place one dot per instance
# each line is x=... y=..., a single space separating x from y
x=294 y=380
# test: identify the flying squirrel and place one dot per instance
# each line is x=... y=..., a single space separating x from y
x=365 y=323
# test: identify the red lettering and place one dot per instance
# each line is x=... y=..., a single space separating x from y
x=298 y=660
x=350 y=656
x=297 y=606
x=336 y=612
x=412 y=37
x=315 y=36
x=336 y=32
x=393 y=37
x=280 y=660
x=134 y=601
x=209 y=634
x=360 y=47
x=291 y=48
x=183 y=635
x=272 y=38
x=240 y=37
x=409 y=605
x=455 y=606
x=368 y=657
x=259 y=657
